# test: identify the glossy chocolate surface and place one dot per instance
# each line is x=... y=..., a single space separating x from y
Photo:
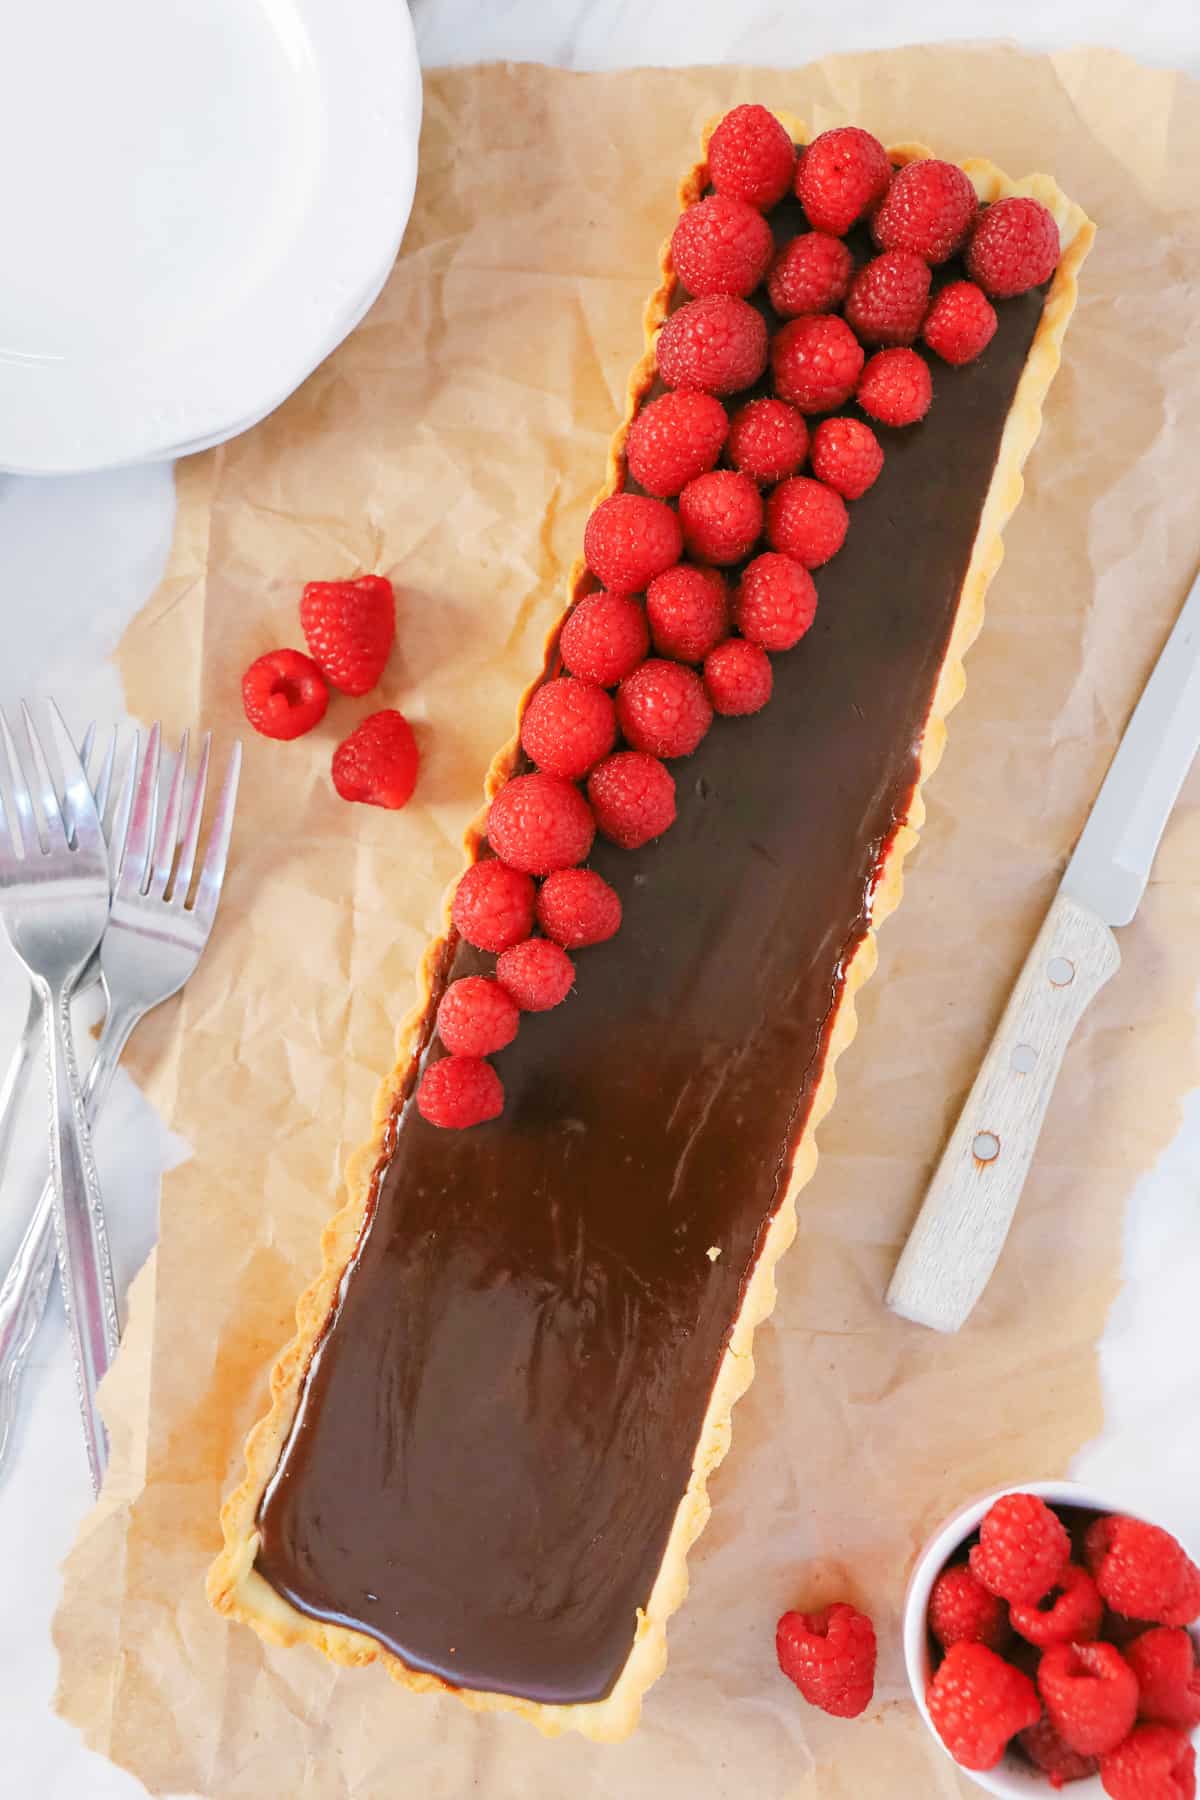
x=498 y=1426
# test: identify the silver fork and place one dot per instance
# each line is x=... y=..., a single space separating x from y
x=153 y=942
x=55 y=895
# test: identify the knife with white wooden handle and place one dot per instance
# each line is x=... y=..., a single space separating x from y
x=964 y=1221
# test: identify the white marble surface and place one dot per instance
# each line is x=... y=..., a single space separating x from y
x=78 y=557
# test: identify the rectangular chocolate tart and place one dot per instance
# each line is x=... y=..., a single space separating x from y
x=488 y=1445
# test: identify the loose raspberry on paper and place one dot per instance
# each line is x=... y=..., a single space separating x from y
x=577 y=907
x=1090 y=1694
x=604 y=638
x=961 y=323
x=830 y=1655
x=1014 y=247
x=1142 y=1571
x=1069 y=1614
x=1164 y=1662
x=929 y=209
x=493 y=905
x=476 y=1017
x=284 y=694
x=458 y=1092
x=1156 y=1762
x=721 y=246
x=633 y=798
x=722 y=515
x=349 y=627
x=539 y=823
x=717 y=344
x=978 y=1702
x=379 y=762
x=663 y=709
x=810 y=275
x=751 y=157
x=961 y=1611
x=896 y=387
x=568 y=726
x=888 y=298
x=629 y=539
x=807 y=520
x=842 y=174
x=1023 y=1549
x=675 y=438
x=816 y=363
x=688 y=610
x=538 y=974
x=768 y=440
x=847 y=455
x=1047 y=1752
x=738 y=678
x=776 y=601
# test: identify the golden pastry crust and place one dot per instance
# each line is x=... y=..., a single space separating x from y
x=234 y=1585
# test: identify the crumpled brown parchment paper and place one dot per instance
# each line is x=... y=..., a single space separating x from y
x=455 y=442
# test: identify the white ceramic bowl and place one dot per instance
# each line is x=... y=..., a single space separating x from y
x=1013 y=1778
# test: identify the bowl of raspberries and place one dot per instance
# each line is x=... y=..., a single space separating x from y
x=1051 y=1640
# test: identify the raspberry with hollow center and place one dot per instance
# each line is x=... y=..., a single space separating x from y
x=1047 y=1752
x=847 y=455
x=633 y=798
x=663 y=709
x=721 y=246
x=1155 y=1762
x=807 y=520
x=1090 y=1694
x=568 y=726
x=1014 y=247
x=476 y=1017
x=537 y=973
x=460 y=1091
x=738 y=678
x=1069 y=1614
x=816 y=362
x=493 y=905
x=576 y=907
x=842 y=174
x=538 y=823
x=629 y=539
x=978 y=1702
x=896 y=387
x=961 y=323
x=751 y=157
x=888 y=298
x=768 y=440
x=717 y=344
x=1164 y=1663
x=961 y=1611
x=379 y=762
x=688 y=610
x=1023 y=1549
x=810 y=275
x=722 y=516
x=1142 y=1571
x=830 y=1655
x=675 y=438
x=284 y=694
x=929 y=209
x=776 y=601
x=604 y=638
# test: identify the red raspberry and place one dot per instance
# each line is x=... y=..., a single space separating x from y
x=1121 y=1632
x=721 y=246
x=630 y=539
x=1047 y=1752
x=776 y=602
x=460 y=1091
x=751 y=157
x=1069 y=1614
x=568 y=726
x=737 y=676
x=1023 y=1549
x=807 y=520
x=537 y=973
x=493 y=905
x=722 y=516
x=961 y=323
x=633 y=798
x=604 y=638
x=717 y=344
x=477 y=1017
x=1090 y=1694
x=688 y=610
x=539 y=823
x=676 y=437
x=379 y=762
x=978 y=1702
x=1142 y=1571
x=284 y=694
x=577 y=907
x=961 y=1611
x=888 y=298
x=1164 y=1661
x=842 y=174
x=1014 y=247
x=816 y=363
x=1154 y=1763
x=929 y=209
x=896 y=387
x=349 y=627
x=663 y=709
x=767 y=440
x=846 y=455
x=810 y=275
x=830 y=1655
